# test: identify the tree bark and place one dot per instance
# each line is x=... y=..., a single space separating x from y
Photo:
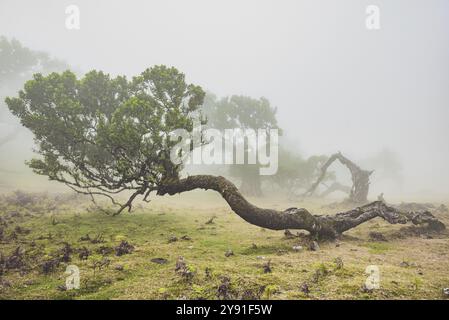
x=320 y=226
x=360 y=179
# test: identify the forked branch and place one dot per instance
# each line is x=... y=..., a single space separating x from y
x=360 y=179
x=321 y=226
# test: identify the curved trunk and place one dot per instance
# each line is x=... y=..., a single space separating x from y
x=322 y=226
x=360 y=179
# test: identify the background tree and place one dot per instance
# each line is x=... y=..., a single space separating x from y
x=360 y=179
x=244 y=113
x=17 y=64
x=104 y=135
x=295 y=173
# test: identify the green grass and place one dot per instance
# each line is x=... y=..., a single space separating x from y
x=378 y=247
x=148 y=229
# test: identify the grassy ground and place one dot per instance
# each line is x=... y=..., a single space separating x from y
x=412 y=265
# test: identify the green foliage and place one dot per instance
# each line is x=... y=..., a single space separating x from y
x=295 y=172
x=106 y=134
x=148 y=231
x=244 y=113
x=18 y=63
x=378 y=247
x=240 y=112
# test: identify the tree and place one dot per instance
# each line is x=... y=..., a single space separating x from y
x=104 y=135
x=360 y=179
x=245 y=113
x=17 y=64
x=296 y=173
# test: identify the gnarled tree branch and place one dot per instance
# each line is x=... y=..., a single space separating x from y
x=360 y=179
x=322 y=226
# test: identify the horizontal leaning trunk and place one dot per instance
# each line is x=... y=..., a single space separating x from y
x=321 y=226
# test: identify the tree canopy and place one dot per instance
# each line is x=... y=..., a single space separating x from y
x=17 y=64
x=295 y=173
x=239 y=111
x=104 y=135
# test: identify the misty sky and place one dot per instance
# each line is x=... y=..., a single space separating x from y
x=337 y=85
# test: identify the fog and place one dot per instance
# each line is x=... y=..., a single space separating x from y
x=337 y=85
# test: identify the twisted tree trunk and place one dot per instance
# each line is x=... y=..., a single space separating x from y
x=360 y=179
x=321 y=226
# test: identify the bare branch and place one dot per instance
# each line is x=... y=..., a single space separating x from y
x=322 y=226
x=360 y=179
